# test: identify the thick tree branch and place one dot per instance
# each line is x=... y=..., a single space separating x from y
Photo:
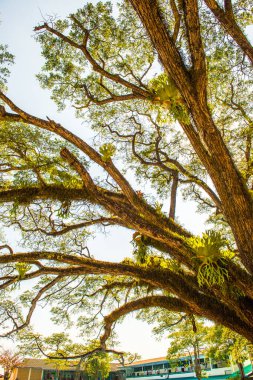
x=198 y=58
x=226 y=19
x=95 y=190
x=181 y=285
x=204 y=136
x=26 y=195
x=169 y=303
x=113 y=203
x=177 y=17
x=137 y=202
x=229 y=8
x=149 y=13
x=86 y=178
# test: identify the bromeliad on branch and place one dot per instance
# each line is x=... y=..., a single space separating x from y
x=185 y=130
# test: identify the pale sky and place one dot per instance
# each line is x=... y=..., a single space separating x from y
x=16 y=29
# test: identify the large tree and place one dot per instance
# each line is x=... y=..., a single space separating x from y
x=223 y=343
x=166 y=86
x=9 y=361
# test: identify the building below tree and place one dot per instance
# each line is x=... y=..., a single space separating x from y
x=156 y=368
x=183 y=368
x=42 y=369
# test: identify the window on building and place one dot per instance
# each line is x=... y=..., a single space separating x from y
x=157 y=366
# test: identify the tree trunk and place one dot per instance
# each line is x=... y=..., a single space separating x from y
x=251 y=358
x=197 y=367
x=204 y=136
x=7 y=375
x=241 y=370
x=173 y=196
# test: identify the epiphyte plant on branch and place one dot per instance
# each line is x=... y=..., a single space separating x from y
x=187 y=129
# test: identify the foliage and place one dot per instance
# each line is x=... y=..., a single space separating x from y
x=212 y=269
x=98 y=366
x=183 y=339
x=208 y=247
x=9 y=360
x=186 y=340
x=31 y=155
x=6 y=59
x=60 y=349
x=107 y=151
x=22 y=268
x=224 y=343
x=166 y=92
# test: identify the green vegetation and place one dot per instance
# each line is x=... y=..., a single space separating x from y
x=166 y=88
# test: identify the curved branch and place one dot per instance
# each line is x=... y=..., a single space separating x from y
x=81 y=356
x=164 y=230
x=135 y=200
x=169 y=303
x=103 y=221
x=100 y=102
x=32 y=308
x=6 y=246
x=181 y=284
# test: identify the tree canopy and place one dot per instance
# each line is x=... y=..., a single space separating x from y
x=9 y=360
x=166 y=87
x=186 y=340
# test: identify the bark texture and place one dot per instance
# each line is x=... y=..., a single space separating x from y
x=176 y=287
x=207 y=142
